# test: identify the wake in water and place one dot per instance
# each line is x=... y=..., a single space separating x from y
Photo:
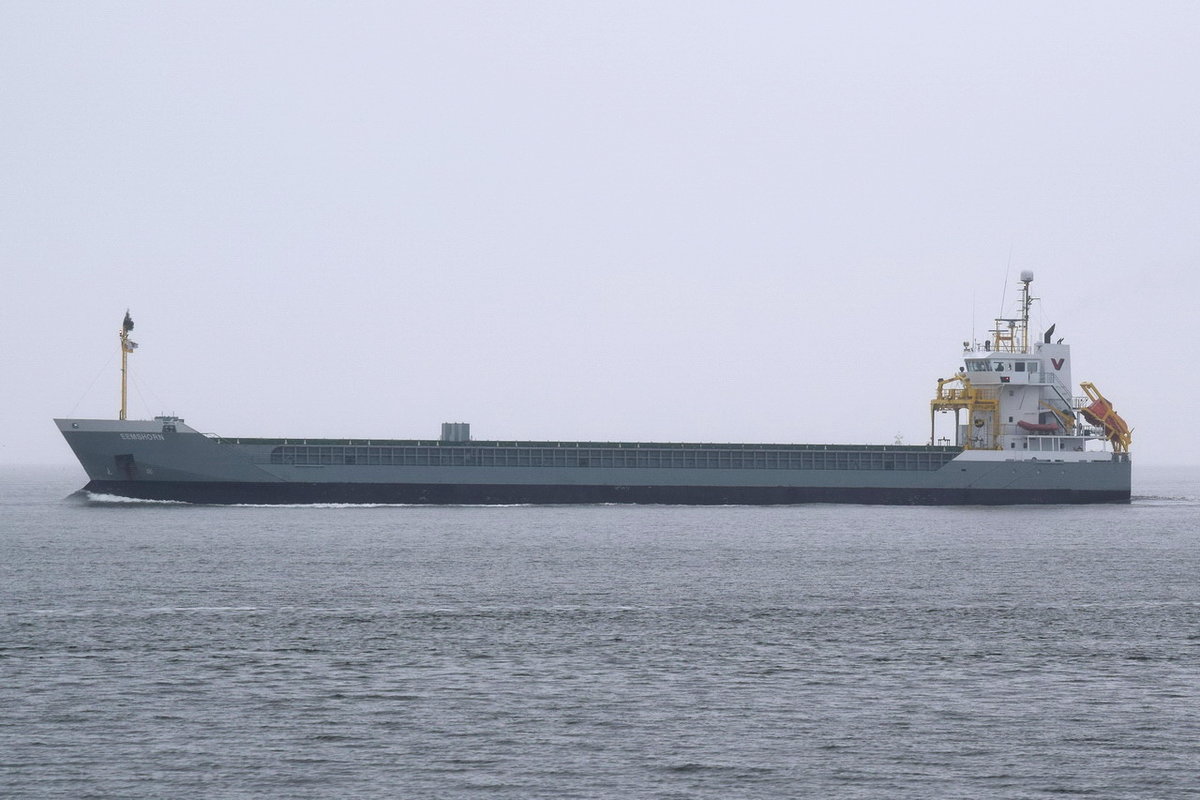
x=1165 y=500
x=84 y=497
x=100 y=499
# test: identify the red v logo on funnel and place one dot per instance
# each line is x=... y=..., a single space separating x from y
x=1057 y=362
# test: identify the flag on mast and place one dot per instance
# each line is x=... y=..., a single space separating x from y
x=127 y=325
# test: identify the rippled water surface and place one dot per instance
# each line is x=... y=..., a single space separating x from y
x=160 y=650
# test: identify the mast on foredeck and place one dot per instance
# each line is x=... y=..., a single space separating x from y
x=127 y=347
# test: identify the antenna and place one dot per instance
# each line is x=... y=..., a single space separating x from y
x=1007 y=270
x=973 y=340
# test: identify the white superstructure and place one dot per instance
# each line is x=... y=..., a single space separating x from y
x=1018 y=402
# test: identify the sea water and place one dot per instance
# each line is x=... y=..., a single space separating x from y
x=163 y=650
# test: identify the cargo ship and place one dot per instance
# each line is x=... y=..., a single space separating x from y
x=1020 y=436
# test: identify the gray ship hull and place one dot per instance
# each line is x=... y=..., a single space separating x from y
x=156 y=461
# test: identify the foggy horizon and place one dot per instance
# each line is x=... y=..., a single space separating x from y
x=594 y=222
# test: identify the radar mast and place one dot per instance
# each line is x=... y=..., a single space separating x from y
x=1011 y=334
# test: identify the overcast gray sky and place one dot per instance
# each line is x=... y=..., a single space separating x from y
x=742 y=221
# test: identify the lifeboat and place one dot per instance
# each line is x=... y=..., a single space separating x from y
x=1038 y=427
x=1101 y=414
